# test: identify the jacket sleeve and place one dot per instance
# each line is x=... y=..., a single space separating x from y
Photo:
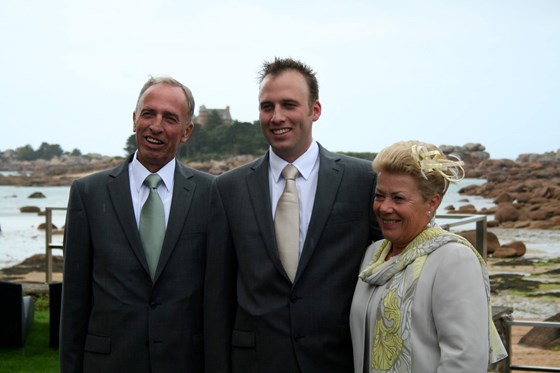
x=77 y=286
x=220 y=292
x=460 y=311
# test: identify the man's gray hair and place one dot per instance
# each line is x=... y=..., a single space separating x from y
x=173 y=82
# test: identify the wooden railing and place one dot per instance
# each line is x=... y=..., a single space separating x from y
x=49 y=245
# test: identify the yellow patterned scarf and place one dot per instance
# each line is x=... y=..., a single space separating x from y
x=391 y=350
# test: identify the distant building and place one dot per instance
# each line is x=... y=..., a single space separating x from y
x=204 y=115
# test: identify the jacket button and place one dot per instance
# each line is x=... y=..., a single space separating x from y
x=297 y=337
x=294 y=298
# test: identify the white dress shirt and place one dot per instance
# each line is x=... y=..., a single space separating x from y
x=137 y=173
x=306 y=184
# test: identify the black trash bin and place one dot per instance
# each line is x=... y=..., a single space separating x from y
x=55 y=305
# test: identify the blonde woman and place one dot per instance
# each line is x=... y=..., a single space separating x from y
x=422 y=302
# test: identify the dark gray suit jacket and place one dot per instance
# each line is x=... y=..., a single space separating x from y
x=114 y=319
x=255 y=320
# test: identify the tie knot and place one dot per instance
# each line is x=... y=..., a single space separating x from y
x=152 y=181
x=290 y=172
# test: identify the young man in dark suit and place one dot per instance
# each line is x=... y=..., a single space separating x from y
x=131 y=306
x=263 y=313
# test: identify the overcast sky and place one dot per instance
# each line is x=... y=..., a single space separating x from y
x=445 y=72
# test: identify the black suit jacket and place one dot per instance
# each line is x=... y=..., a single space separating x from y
x=114 y=318
x=255 y=319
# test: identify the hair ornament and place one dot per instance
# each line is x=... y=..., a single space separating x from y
x=432 y=161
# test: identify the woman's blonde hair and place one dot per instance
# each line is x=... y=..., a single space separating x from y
x=425 y=162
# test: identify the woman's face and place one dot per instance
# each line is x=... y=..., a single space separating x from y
x=401 y=211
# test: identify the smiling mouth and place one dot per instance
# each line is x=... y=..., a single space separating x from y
x=281 y=131
x=151 y=140
x=390 y=221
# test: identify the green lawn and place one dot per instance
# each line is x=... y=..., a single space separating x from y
x=36 y=355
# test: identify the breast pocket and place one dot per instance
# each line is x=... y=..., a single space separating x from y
x=244 y=352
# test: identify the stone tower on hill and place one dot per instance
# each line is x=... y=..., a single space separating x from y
x=204 y=115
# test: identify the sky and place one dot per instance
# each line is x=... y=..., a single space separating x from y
x=444 y=72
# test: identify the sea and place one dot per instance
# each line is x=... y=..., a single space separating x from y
x=20 y=236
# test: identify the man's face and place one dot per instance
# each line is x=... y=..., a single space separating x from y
x=285 y=116
x=160 y=123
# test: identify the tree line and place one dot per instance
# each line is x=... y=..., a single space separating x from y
x=45 y=151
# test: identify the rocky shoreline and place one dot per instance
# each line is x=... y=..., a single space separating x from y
x=526 y=191
x=62 y=171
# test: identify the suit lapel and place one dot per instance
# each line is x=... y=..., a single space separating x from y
x=259 y=193
x=331 y=170
x=119 y=192
x=183 y=192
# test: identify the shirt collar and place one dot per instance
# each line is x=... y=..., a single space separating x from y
x=304 y=163
x=139 y=173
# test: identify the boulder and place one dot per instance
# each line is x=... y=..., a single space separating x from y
x=518 y=224
x=504 y=252
x=36 y=195
x=506 y=211
x=543 y=336
x=33 y=209
x=540 y=214
x=518 y=246
x=492 y=224
x=492 y=242
x=546 y=224
x=504 y=197
x=487 y=211
x=538 y=200
x=466 y=209
x=43 y=226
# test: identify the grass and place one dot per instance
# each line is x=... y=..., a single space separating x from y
x=35 y=355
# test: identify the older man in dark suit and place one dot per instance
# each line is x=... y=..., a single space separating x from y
x=132 y=301
x=271 y=306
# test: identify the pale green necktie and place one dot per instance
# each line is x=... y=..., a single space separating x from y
x=152 y=223
x=286 y=223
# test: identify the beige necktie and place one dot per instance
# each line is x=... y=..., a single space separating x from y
x=286 y=223
x=152 y=223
